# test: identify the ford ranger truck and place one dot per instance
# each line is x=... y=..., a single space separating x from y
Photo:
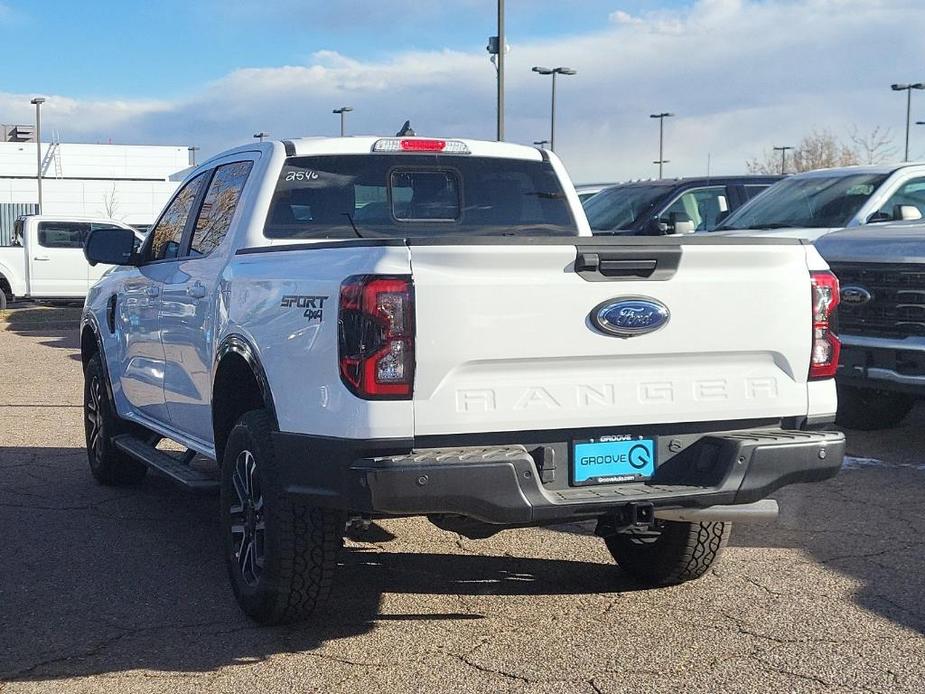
x=363 y=328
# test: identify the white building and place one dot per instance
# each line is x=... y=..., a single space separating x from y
x=130 y=183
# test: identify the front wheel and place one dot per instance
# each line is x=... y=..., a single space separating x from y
x=281 y=554
x=108 y=465
x=671 y=553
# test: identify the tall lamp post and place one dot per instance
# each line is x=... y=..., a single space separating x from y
x=343 y=110
x=554 y=71
x=496 y=48
x=192 y=154
x=908 y=89
x=259 y=136
x=783 y=157
x=38 y=101
x=661 y=139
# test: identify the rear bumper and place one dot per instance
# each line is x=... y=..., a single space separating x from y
x=505 y=484
x=883 y=363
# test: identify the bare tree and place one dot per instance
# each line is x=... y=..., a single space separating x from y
x=111 y=203
x=875 y=147
x=822 y=150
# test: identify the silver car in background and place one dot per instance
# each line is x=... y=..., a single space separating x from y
x=812 y=204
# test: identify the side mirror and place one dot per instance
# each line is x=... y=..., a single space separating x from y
x=656 y=227
x=111 y=247
x=879 y=216
x=680 y=223
x=906 y=213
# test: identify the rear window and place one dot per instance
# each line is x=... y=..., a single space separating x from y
x=399 y=196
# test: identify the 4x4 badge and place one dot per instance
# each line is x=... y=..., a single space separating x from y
x=313 y=305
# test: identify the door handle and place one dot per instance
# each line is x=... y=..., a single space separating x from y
x=152 y=290
x=196 y=290
x=42 y=257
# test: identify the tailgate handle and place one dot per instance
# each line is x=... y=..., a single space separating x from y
x=593 y=262
x=627 y=261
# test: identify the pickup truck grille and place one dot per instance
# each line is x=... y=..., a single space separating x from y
x=897 y=305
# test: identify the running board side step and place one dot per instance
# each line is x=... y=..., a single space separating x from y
x=763 y=511
x=175 y=469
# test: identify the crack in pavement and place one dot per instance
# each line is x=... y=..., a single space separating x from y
x=103 y=644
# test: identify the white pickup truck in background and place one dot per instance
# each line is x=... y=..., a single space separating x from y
x=46 y=261
x=372 y=327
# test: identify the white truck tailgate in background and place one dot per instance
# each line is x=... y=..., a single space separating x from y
x=504 y=340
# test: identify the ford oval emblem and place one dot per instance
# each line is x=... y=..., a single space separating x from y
x=630 y=316
x=855 y=296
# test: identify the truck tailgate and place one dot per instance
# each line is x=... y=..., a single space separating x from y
x=505 y=340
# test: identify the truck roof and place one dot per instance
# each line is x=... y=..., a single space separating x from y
x=859 y=169
x=363 y=144
x=73 y=218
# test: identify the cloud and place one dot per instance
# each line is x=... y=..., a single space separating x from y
x=741 y=75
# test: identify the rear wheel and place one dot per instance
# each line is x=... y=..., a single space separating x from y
x=281 y=554
x=108 y=464
x=671 y=553
x=868 y=409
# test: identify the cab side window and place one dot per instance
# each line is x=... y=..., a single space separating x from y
x=703 y=205
x=910 y=194
x=219 y=206
x=168 y=232
x=62 y=234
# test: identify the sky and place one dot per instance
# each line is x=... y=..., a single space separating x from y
x=740 y=75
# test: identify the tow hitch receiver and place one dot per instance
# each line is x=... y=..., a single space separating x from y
x=635 y=515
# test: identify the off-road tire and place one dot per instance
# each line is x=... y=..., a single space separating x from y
x=676 y=553
x=868 y=409
x=3 y=298
x=108 y=465
x=300 y=544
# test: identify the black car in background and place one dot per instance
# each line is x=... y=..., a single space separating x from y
x=669 y=206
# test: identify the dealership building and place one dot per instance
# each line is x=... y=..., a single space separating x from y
x=130 y=183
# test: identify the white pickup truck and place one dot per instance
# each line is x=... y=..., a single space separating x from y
x=46 y=260
x=375 y=327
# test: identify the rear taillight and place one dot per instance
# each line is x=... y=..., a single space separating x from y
x=826 y=345
x=376 y=341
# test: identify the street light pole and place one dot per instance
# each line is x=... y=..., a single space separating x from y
x=554 y=71
x=192 y=155
x=38 y=101
x=783 y=157
x=661 y=139
x=501 y=45
x=908 y=89
x=342 y=111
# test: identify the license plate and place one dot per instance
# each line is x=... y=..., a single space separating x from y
x=610 y=459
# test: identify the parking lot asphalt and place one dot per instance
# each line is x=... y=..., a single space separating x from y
x=124 y=590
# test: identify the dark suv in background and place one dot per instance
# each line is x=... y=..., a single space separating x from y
x=669 y=206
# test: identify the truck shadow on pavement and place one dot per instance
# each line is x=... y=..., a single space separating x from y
x=100 y=580
x=865 y=524
x=54 y=326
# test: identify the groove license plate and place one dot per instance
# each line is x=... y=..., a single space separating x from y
x=609 y=459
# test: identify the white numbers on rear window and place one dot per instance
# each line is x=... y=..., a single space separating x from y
x=302 y=176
